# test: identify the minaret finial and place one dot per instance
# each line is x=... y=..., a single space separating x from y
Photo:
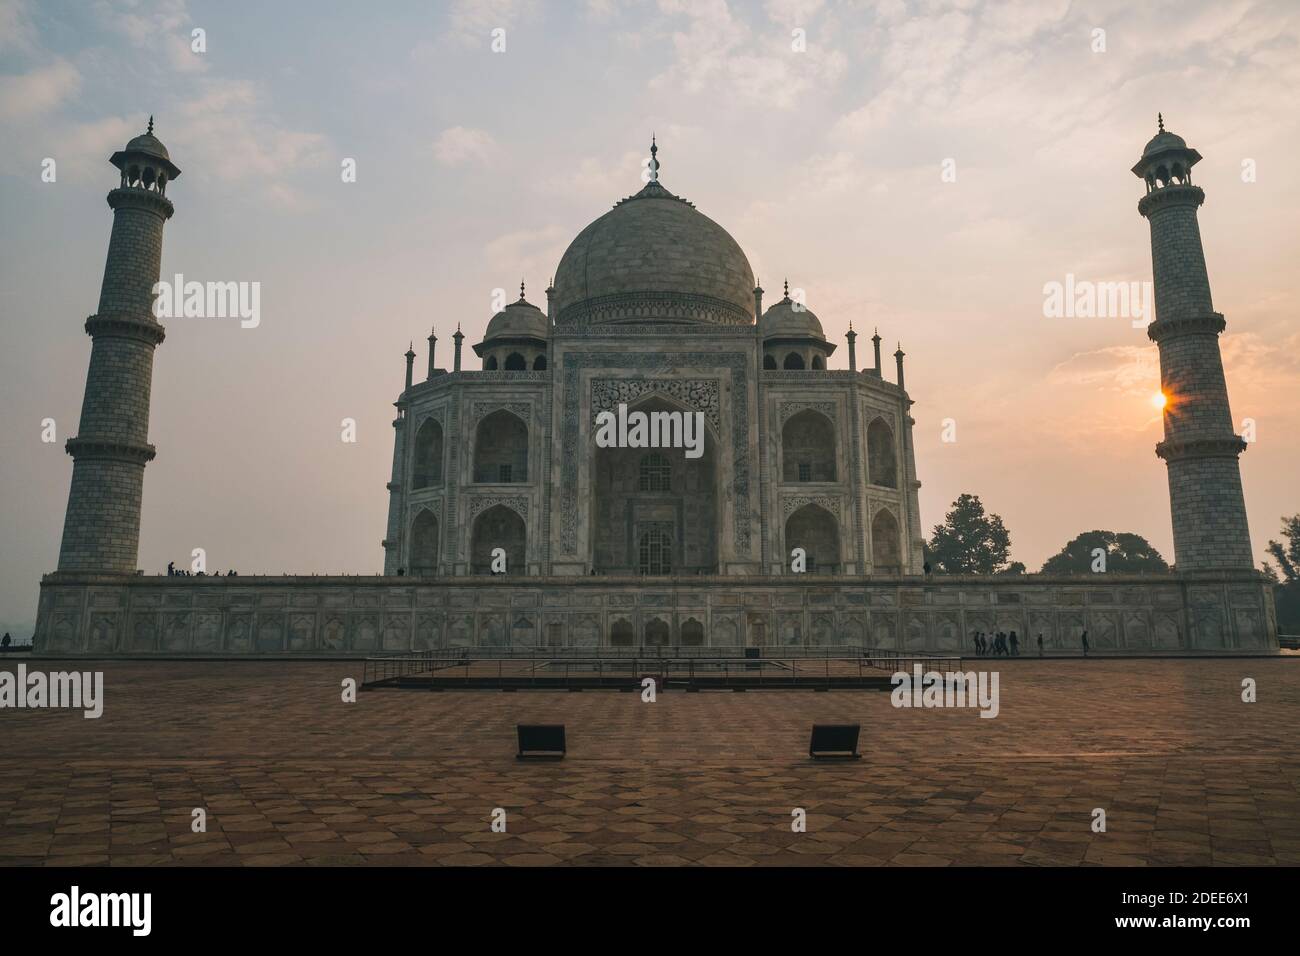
x=1160 y=121
x=150 y=130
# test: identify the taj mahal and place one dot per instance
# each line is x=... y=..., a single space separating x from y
x=795 y=522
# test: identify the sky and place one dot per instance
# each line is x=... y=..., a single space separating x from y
x=924 y=168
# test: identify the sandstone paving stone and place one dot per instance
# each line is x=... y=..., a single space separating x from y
x=1224 y=791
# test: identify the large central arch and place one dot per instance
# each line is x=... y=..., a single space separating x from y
x=653 y=510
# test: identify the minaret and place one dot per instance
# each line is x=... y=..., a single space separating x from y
x=101 y=530
x=433 y=345
x=853 y=352
x=410 y=365
x=898 y=360
x=1200 y=448
x=875 y=341
x=458 y=338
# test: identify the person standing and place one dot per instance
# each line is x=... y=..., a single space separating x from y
x=1085 y=643
x=1040 y=645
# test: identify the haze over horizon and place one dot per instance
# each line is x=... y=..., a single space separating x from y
x=475 y=169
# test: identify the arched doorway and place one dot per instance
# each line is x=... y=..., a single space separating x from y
x=814 y=529
x=501 y=449
x=808 y=448
x=422 y=558
x=886 y=549
x=653 y=510
x=882 y=462
x=498 y=527
x=426 y=469
x=655 y=552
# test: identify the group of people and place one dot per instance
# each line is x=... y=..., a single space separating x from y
x=1006 y=645
x=175 y=572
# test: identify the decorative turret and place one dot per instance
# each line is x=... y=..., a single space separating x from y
x=515 y=338
x=792 y=336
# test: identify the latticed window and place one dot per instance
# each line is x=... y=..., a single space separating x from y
x=656 y=553
x=656 y=473
x=504 y=475
x=805 y=471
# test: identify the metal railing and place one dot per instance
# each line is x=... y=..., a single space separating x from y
x=542 y=667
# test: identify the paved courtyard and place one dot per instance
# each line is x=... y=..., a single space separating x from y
x=289 y=774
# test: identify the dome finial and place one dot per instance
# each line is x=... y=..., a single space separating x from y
x=150 y=130
x=787 y=288
x=1160 y=121
x=654 y=161
x=521 y=290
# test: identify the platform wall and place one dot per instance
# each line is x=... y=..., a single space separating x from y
x=355 y=616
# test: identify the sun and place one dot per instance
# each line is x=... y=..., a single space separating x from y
x=1159 y=399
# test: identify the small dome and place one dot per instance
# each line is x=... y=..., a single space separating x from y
x=783 y=320
x=150 y=146
x=148 y=143
x=520 y=319
x=1164 y=140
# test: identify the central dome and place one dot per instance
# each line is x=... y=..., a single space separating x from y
x=654 y=258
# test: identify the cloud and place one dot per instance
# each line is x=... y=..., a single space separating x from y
x=461 y=145
x=163 y=25
x=17 y=35
x=721 y=54
x=1130 y=369
x=38 y=92
x=529 y=253
x=471 y=22
x=228 y=133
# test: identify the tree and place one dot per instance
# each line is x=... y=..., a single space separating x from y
x=1287 y=593
x=1124 y=552
x=970 y=541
